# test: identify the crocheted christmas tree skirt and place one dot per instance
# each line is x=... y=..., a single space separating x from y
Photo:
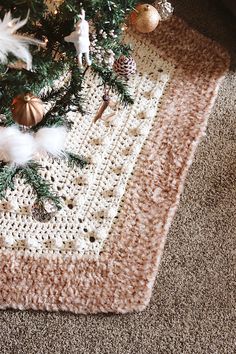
x=101 y=252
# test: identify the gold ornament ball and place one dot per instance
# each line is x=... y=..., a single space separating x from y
x=27 y=109
x=145 y=18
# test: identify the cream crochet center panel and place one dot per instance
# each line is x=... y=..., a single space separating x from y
x=92 y=196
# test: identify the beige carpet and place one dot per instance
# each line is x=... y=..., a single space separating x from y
x=192 y=307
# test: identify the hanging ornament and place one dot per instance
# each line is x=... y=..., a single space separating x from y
x=125 y=66
x=27 y=109
x=145 y=18
x=40 y=212
x=165 y=9
x=80 y=38
x=107 y=102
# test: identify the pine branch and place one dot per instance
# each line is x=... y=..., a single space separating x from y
x=7 y=175
x=40 y=186
x=115 y=83
x=75 y=160
x=69 y=99
x=31 y=174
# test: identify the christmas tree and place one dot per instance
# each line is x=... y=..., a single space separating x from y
x=27 y=75
x=50 y=22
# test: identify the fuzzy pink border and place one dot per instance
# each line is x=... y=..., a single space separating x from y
x=122 y=279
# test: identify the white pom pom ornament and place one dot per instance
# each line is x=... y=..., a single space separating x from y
x=51 y=140
x=15 y=146
x=19 y=148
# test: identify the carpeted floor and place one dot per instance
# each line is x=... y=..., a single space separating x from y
x=191 y=311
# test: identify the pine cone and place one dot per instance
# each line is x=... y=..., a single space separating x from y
x=125 y=66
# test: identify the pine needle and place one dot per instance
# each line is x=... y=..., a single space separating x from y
x=75 y=160
x=40 y=186
x=7 y=175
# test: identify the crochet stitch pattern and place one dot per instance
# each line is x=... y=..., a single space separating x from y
x=92 y=195
x=102 y=251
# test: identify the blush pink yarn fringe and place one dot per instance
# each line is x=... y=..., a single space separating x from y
x=121 y=280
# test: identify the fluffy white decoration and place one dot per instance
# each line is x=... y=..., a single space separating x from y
x=19 y=148
x=51 y=140
x=15 y=44
x=15 y=146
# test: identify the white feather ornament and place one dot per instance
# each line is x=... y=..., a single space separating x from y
x=15 y=146
x=51 y=140
x=10 y=42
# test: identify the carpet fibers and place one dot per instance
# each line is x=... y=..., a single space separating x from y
x=192 y=307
